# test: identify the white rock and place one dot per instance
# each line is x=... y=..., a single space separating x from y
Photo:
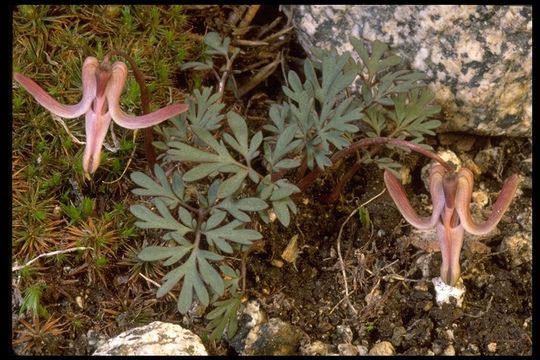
x=444 y=292
x=157 y=338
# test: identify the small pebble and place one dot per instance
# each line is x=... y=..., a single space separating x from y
x=492 y=347
x=397 y=335
x=428 y=306
x=449 y=351
x=347 y=349
x=344 y=334
x=382 y=348
x=362 y=350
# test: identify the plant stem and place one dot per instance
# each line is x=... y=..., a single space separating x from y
x=307 y=180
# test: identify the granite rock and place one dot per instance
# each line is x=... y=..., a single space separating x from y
x=157 y=338
x=478 y=57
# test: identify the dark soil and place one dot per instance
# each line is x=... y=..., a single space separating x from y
x=497 y=308
x=392 y=298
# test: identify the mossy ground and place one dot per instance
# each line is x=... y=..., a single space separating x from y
x=54 y=207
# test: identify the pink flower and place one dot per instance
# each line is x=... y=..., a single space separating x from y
x=451 y=194
x=102 y=86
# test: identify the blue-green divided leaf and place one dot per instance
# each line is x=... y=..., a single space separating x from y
x=234 y=144
x=206 y=136
x=256 y=141
x=210 y=275
x=231 y=233
x=285 y=143
x=200 y=289
x=283 y=189
x=154 y=253
x=282 y=211
x=217 y=217
x=186 y=294
x=225 y=314
x=287 y=164
x=185 y=216
x=221 y=244
x=151 y=188
x=209 y=255
x=251 y=204
x=171 y=279
x=240 y=131
x=205 y=111
x=195 y=65
x=294 y=82
x=232 y=184
x=213 y=40
x=265 y=188
x=236 y=208
x=149 y=220
x=278 y=113
x=211 y=195
x=254 y=175
x=232 y=208
x=390 y=61
x=322 y=160
x=178 y=185
x=359 y=47
x=191 y=280
x=179 y=239
x=229 y=272
x=182 y=152
x=336 y=138
x=201 y=171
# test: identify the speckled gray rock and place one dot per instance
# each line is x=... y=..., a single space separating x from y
x=157 y=338
x=478 y=58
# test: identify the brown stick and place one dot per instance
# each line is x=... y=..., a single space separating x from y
x=248 y=17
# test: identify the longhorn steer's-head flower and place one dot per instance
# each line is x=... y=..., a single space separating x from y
x=451 y=195
x=102 y=85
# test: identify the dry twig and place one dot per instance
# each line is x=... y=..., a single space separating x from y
x=17 y=268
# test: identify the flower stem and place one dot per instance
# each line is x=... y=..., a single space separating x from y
x=145 y=102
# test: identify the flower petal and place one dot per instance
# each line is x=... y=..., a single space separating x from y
x=463 y=199
x=96 y=129
x=65 y=111
x=400 y=199
x=114 y=90
x=451 y=241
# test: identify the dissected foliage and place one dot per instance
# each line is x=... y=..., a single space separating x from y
x=216 y=173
